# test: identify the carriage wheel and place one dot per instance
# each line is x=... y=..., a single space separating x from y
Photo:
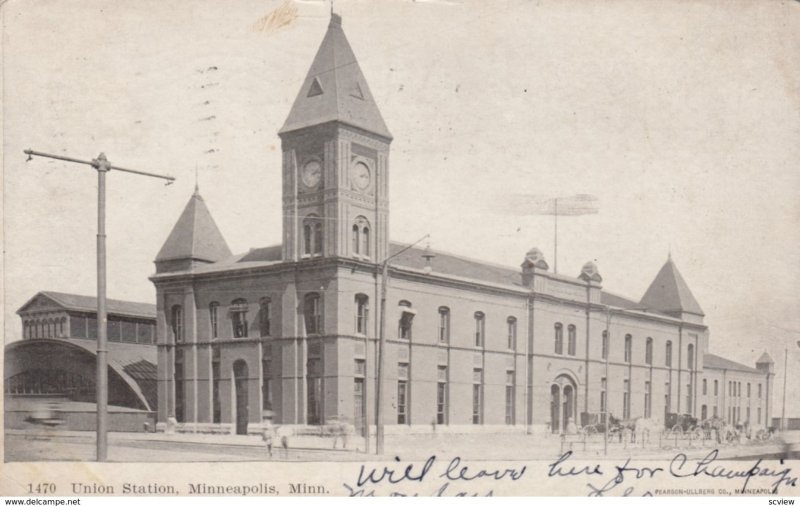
x=677 y=430
x=590 y=430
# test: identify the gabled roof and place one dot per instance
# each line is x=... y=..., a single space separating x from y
x=669 y=292
x=335 y=89
x=711 y=361
x=195 y=235
x=85 y=303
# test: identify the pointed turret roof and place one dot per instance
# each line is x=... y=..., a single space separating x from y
x=335 y=89
x=669 y=293
x=195 y=236
x=765 y=359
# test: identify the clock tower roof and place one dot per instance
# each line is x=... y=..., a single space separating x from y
x=335 y=89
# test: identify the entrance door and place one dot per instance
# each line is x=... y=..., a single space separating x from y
x=240 y=380
x=568 y=403
x=555 y=408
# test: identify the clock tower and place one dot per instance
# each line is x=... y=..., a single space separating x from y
x=335 y=161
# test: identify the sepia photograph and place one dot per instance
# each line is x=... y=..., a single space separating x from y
x=408 y=247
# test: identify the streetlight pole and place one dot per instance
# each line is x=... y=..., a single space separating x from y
x=379 y=425
x=101 y=165
x=606 y=349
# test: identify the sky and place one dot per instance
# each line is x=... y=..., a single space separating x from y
x=682 y=118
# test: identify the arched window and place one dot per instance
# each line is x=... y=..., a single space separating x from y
x=559 y=331
x=177 y=323
x=444 y=324
x=690 y=357
x=406 y=320
x=571 y=340
x=239 y=317
x=312 y=310
x=360 y=237
x=480 y=328
x=705 y=386
x=213 y=317
x=356 y=240
x=265 y=316
x=362 y=313
x=511 y=323
x=628 y=347
x=668 y=354
x=716 y=387
x=312 y=235
x=648 y=351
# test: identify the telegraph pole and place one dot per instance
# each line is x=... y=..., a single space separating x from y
x=379 y=434
x=101 y=165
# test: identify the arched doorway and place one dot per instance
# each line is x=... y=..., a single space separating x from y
x=240 y=382
x=563 y=403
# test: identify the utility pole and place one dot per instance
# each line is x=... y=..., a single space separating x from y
x=101 y=165
x=379 y=434
x=785 y=373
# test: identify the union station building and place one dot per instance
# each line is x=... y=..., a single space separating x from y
x=290 y=332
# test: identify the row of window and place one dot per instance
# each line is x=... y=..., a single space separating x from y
x=313 y=237
x=442 y=395
x=238 y=315
x=49 y=327
x=628 y=351
x=734 y=388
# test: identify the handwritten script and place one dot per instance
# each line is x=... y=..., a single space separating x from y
x=454 y=477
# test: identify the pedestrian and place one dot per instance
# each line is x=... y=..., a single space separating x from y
x=283 y=432
x=267 y=436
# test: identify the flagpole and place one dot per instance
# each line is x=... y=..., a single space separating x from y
x=555 y=242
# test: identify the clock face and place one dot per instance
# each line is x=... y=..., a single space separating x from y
x=312 y=173
x=360 y=175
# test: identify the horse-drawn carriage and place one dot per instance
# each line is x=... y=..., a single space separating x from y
x=680 y=425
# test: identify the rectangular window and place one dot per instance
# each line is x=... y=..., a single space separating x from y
x=444 y=325
x=705 y=386
x=648 y=351
x=313 y=313
x=689 y=398
x=402 y=402
x=510 y=397
x=605 y=345
x=360 y=367
x=668 y=361
x=715 y=411
x=479 y=328
x=362 y=314
x=647 y=399
x=759 y=390
x=748 y=394
x=512 y=333
x=264 y=317
x=406 y=320
x=213 y=316
x=667 y=399
x=628 y=347
x=626 y=399
x=441 y=395
x=239 y=318
x=477 y=396
x=572 y=339
x=716 y=387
